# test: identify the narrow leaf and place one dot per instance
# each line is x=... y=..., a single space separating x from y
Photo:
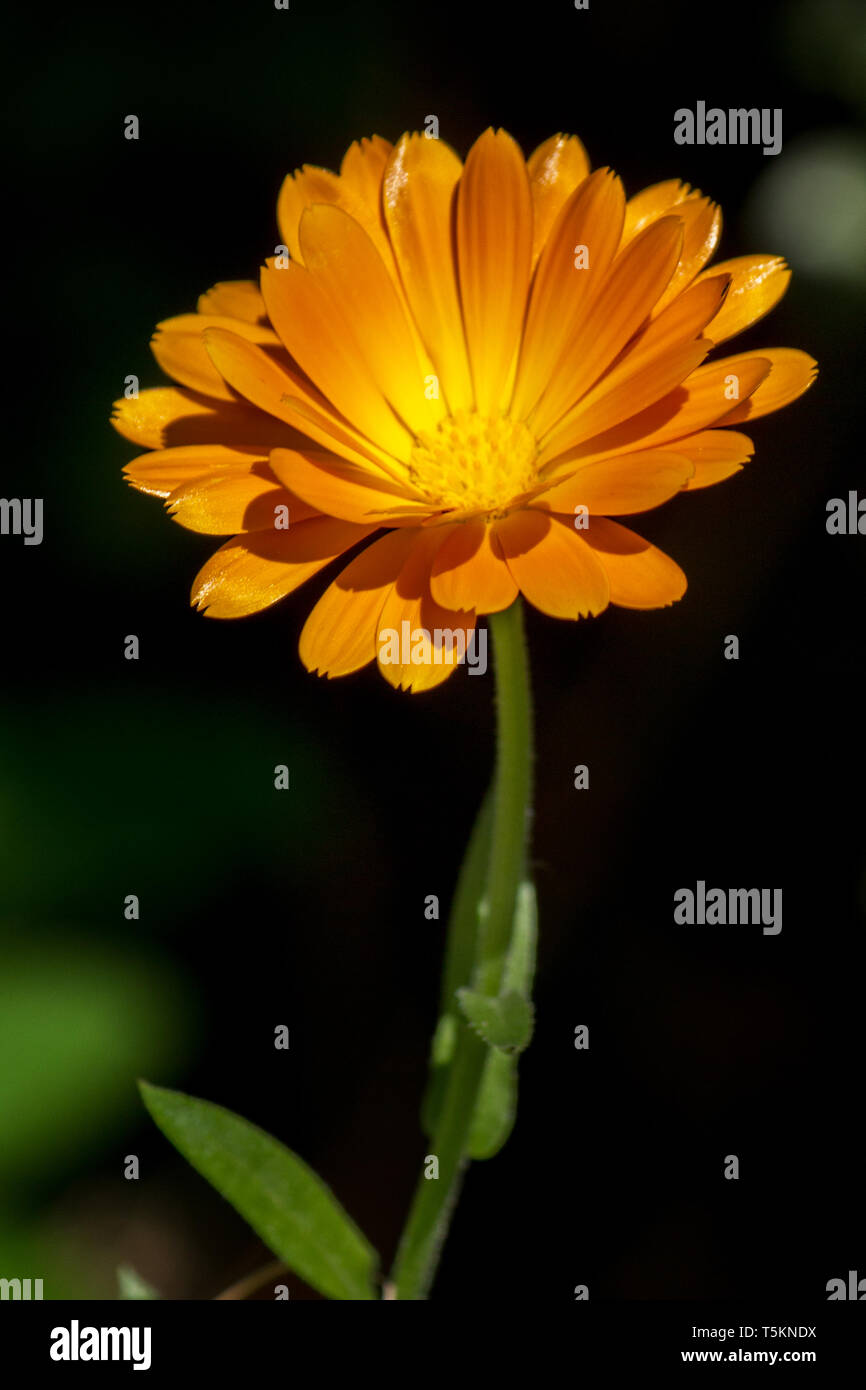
x=520 y=962
x=284 y=1201
x=504 y=1021
x=496 y=1107
x=444 y=1041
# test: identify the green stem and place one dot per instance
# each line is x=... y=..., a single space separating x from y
x=512 y=794
x=435 y=1198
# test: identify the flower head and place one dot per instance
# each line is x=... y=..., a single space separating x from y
x=460 y=373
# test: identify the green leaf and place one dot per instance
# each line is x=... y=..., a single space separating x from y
x=131 y=1285
x=283 y=1200
x=519 y=970
x=504 y=1021
x=444 y=1041
x=496 y=1107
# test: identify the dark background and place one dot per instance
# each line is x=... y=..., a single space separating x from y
x=306 y=908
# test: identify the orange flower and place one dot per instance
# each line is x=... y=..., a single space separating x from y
x=485 y=361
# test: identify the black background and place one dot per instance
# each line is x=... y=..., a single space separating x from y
x=307 y=908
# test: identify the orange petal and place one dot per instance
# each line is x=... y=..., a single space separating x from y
x=160 y=472
x=310 y=186
x=323 y=346
x=470 y=573
x=620 y=486
x=551 y=565
x=336 y=488
x=555 y=168
x=282 y=392
x=656 y=361
x=791 y=373
x=640 y=575
x=339 y=636
x=165 y=416
x=757 y=285
x=234 y=299
x=716 y=455
x=418 y=643
x=625 y=395
x=179 y=348
x=226 y=504
x=687 y=317
x=702 y=400
x=637 y=278
x=364 y=302
x=301 y=190
x=342 y=321
x=362 y=170
x=702 y=224
x=651 y=204
x=251 y=572
x=494 y=248
x=562 y=292
x=418 y=195
x=702 y=227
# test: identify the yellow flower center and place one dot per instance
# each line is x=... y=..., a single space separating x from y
x=473 y=463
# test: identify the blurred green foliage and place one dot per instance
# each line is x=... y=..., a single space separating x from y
x=78 y=1019
x=92 y=809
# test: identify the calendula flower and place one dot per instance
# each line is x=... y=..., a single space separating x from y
x=460 y=373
